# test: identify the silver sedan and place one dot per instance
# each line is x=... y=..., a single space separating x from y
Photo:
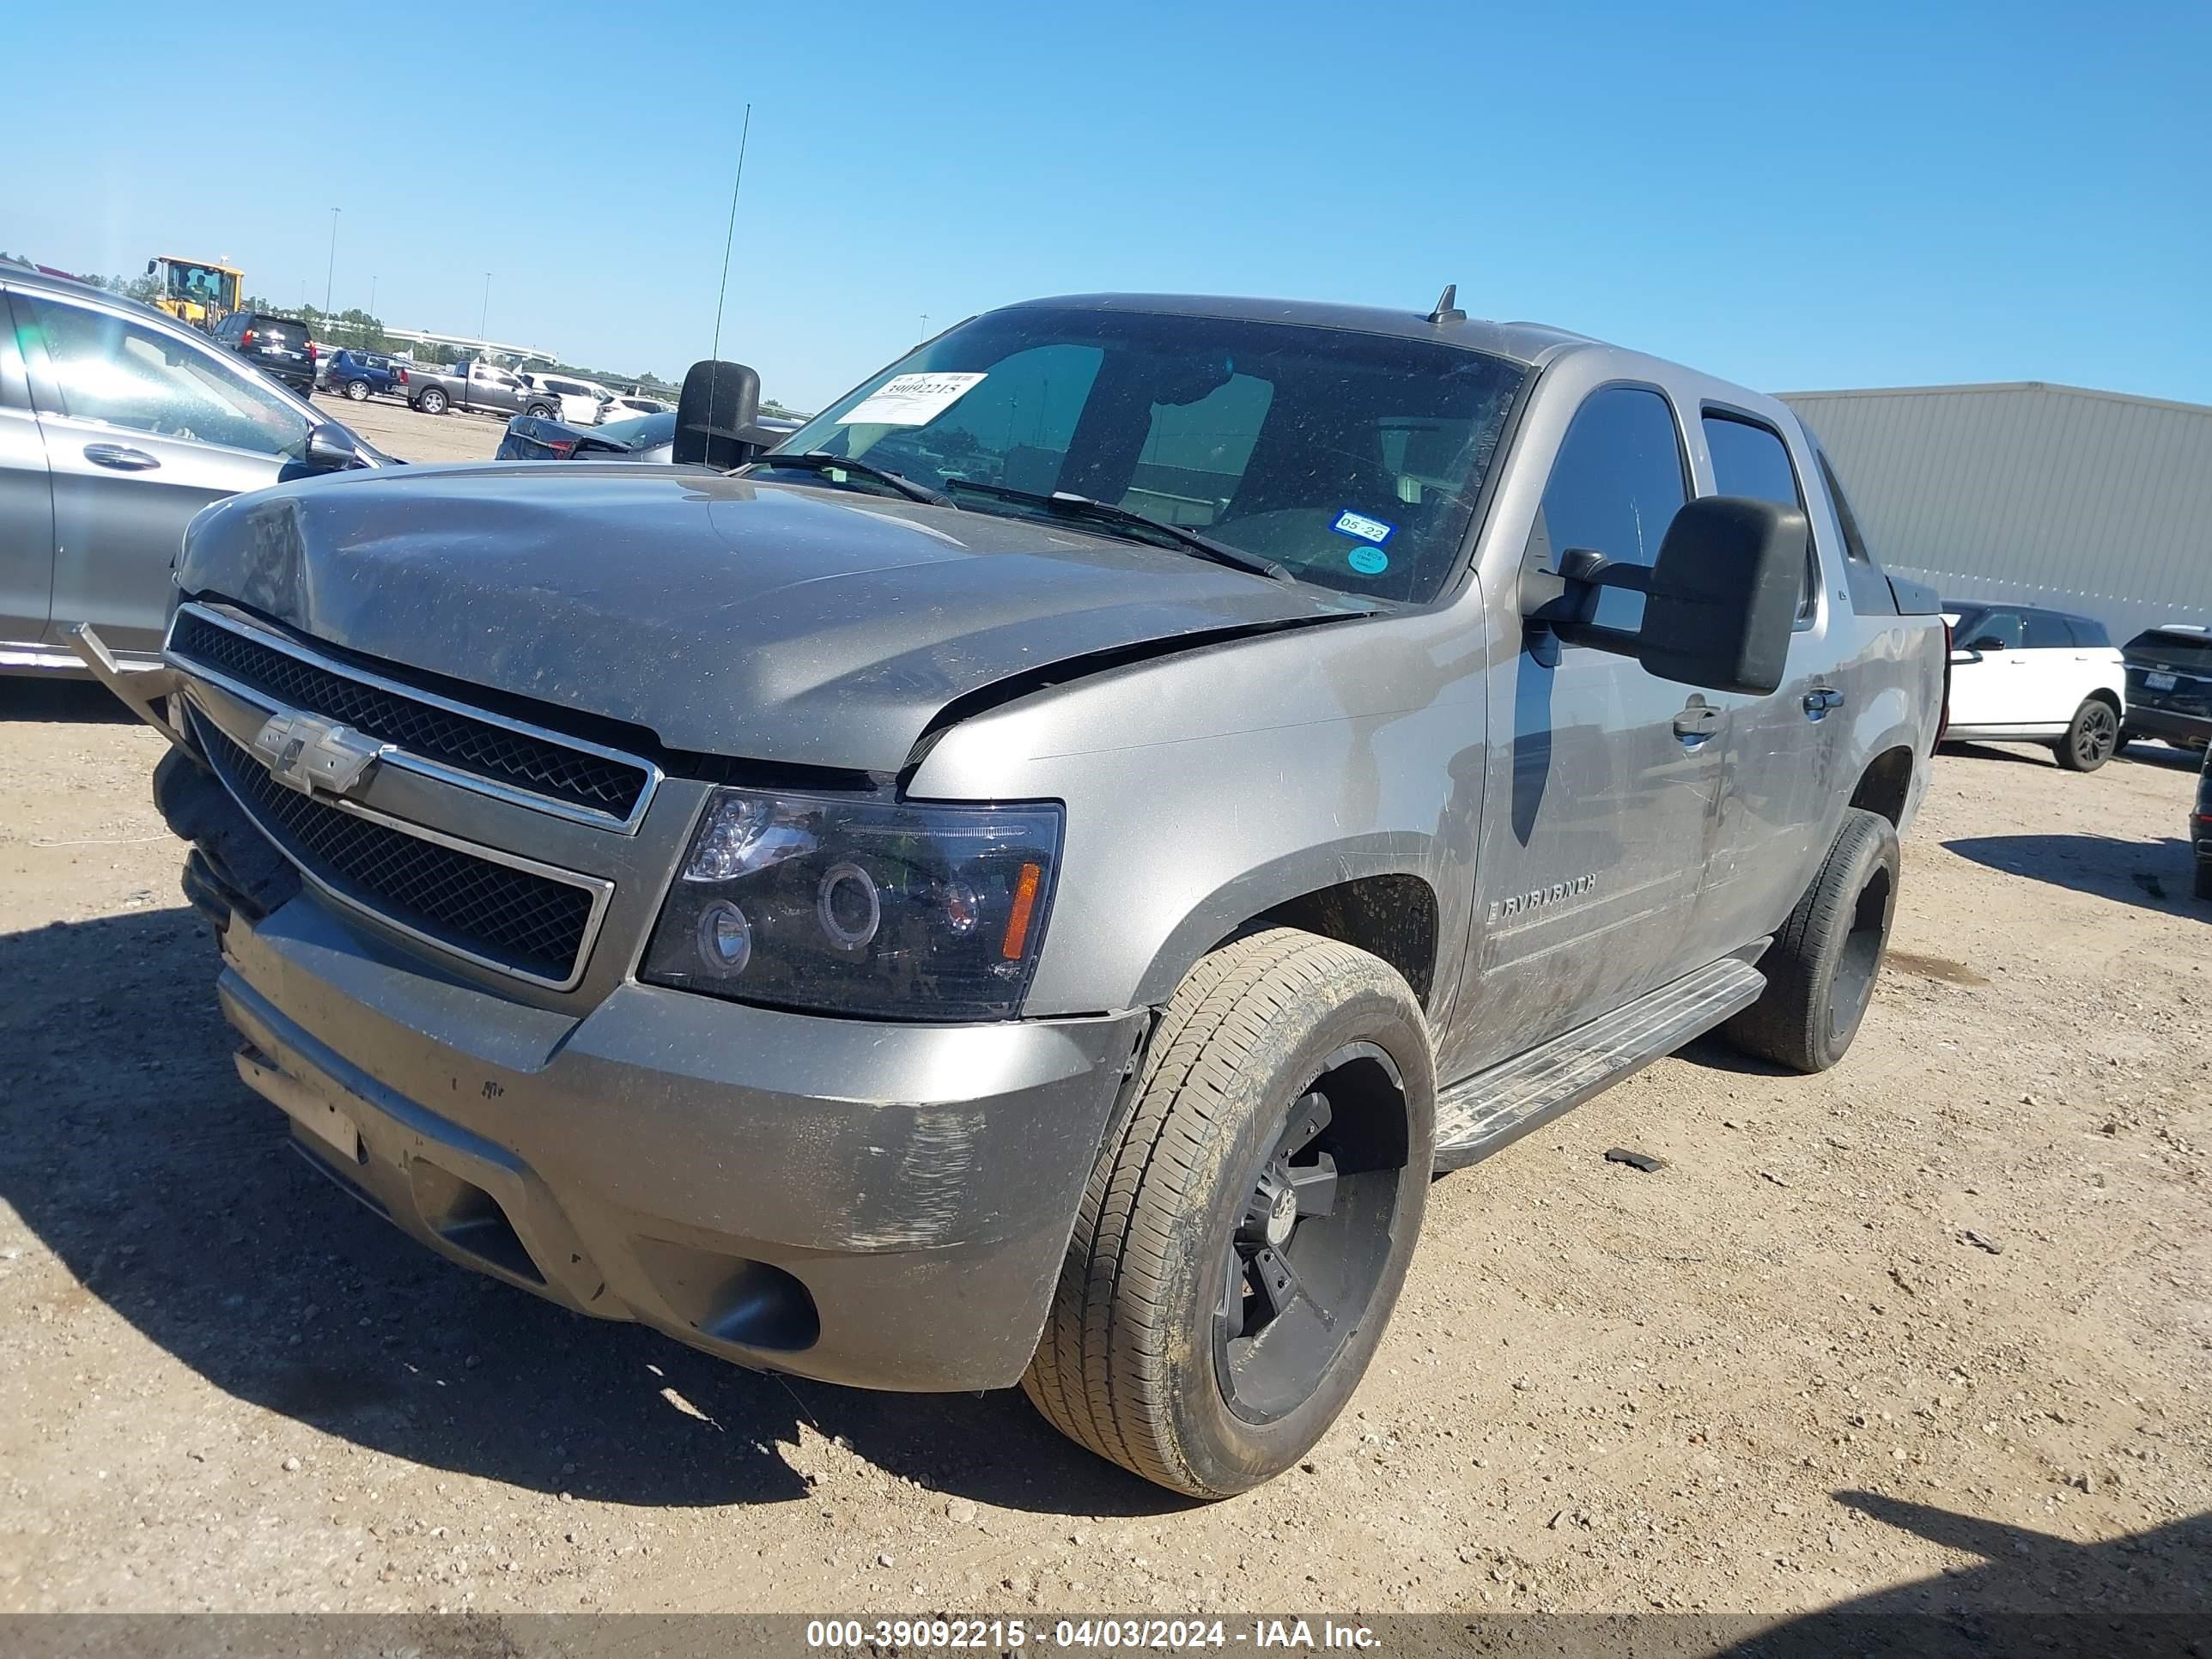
x=117 y=425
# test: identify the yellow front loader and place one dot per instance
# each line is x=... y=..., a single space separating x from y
x=201 y=292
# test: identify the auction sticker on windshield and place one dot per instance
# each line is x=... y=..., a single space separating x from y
x=910 y=399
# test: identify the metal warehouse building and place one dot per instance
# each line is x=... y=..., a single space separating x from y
x=2092 y=501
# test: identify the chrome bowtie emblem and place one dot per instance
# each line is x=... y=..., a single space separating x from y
x=307 y=752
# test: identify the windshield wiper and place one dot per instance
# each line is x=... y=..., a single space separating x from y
x=1121 y=518
x=820 y=460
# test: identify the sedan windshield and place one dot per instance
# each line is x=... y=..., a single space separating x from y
x=1352 y=460
x=641 y=433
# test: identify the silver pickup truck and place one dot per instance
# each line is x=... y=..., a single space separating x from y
x=1029 y=880
x=480 y=386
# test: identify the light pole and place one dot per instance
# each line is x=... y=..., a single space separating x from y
x=483 y=317
x=330 y=271
x=372 y=296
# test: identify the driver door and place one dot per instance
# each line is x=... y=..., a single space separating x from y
x=141 y=429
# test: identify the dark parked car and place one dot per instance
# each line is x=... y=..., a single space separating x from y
x=648 y=438
x=278 y=346
x=2200 y=829
x=358 y=375
x=2170 y=684
x=540 y=438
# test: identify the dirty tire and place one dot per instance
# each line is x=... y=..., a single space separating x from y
x=2093 y=737
x=432 y=402
x=1821 y=968
x=1128 y=1363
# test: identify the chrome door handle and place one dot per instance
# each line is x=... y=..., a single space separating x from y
x=1819 y=702
x=121 y=457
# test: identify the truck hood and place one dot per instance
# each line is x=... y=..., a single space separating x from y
x=769 y=621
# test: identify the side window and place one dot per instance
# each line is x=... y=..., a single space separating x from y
x=1750 y=459
x=2089 y=635
x=2048 y=632
x=2003 y=630
x=1617 y=482
x=122 y=375
x=1855 y=545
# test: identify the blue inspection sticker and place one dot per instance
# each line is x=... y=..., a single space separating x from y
x=1349 y=523
x=1368 y=560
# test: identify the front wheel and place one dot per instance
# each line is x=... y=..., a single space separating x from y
x=2092 y=736
x=539 y=412
x=1821 y=968
x=1241 y=1243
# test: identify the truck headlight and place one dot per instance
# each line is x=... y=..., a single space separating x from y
x=874 y=908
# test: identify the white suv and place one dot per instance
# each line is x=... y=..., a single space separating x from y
x=2021 y=674
x=583 y=403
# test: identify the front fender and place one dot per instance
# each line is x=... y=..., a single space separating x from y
x=1206 y=789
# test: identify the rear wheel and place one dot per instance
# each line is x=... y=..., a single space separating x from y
x=1242 y=1241
x=1821 y=968
x=432 y=402
x=357 y=391
x=2091 y=737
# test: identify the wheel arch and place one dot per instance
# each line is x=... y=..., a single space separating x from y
x=1885 y=784
x=1378 y=900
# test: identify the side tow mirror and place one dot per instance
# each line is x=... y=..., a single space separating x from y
x=330 y=449
x=1987 y=642
x=1719 y=601
x=715 y=416
x=1723 y=594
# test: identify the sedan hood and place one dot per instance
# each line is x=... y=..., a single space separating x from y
x=767 y=622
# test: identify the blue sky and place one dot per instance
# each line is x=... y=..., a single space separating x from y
x=1792 y=197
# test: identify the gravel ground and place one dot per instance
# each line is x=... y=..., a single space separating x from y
x=398 y=430
x=1934 y=1325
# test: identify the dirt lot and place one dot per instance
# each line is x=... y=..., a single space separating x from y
x=398 y=430
x=1777 y=1375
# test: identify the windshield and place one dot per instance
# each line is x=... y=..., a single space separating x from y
x=1353 y=460
x=204 y=284
x=641 y=433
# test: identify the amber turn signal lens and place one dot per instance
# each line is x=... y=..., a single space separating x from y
x=1018 y=920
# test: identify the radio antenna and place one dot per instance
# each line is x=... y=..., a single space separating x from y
x=730 y=236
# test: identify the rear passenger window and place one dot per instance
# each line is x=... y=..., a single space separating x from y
x=2088 y=636
x=1750 y=459
x=1617 y=482
x=1855 y=545
x=2047 y=632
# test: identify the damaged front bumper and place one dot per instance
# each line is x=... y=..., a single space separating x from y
x=881 y=1205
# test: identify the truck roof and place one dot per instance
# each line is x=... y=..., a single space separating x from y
x=1525 y=343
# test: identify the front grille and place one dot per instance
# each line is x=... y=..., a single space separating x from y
x=476 y=746
x=516 y=919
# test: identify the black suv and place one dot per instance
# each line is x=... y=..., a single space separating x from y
x=278 y=346
x=2200 y=829
x=2170 y=684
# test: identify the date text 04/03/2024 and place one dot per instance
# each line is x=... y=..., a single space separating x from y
x=1004 y=1635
